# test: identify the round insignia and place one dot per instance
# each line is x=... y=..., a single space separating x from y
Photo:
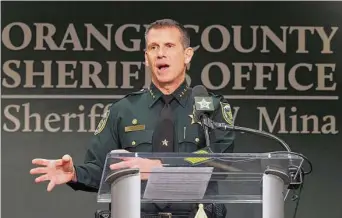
x=227 y=113
x=102 y=123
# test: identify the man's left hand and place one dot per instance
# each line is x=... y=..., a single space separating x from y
x=145 y=165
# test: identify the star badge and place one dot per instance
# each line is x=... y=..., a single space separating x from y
x=165 y=142
x=204 y=104
x=193 y=118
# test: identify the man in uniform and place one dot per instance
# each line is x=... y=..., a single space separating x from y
x=158 y=119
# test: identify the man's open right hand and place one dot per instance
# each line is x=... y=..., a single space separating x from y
x=58 y=171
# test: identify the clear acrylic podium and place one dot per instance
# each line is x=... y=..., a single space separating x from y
x=230 y=178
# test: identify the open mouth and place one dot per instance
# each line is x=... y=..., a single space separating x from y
x=163 y=66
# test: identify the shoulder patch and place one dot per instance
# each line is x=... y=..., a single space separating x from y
x=227 y=113
x=102 y=123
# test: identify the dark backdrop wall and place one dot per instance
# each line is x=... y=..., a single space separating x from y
x=279 y=64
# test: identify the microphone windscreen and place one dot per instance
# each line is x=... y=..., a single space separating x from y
x=203 y=102
x=199 y=91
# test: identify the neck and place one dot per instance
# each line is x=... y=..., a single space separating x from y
x=169 y=88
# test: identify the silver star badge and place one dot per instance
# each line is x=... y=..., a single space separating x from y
x=204 y=104
x=165 y=142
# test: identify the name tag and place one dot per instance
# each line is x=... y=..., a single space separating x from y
x=134 y=128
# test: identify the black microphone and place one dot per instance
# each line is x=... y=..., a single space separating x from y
x=203 y=106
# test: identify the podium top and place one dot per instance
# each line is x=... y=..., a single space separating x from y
x=200 y=177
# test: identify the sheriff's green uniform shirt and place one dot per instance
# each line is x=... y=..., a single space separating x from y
x=130 y=122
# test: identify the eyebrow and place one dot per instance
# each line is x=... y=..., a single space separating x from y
x=166 y=43
x=154 y=43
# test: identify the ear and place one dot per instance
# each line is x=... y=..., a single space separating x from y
x=189 y=52
x=146 y=60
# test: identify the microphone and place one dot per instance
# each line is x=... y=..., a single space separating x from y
x=203 y=106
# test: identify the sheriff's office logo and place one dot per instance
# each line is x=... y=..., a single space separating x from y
x=204 y=103
x=102 y=123
x=227 y=113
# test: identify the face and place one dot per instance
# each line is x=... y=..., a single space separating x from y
x=166 y=56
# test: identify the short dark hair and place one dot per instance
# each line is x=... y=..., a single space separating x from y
x=170 y=23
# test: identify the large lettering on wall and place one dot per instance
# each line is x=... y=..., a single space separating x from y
x=54 y=77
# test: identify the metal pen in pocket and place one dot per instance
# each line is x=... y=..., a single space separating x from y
x=184 y=131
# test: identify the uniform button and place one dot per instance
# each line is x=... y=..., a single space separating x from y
x=133 y=142
x=134 y=121
x=197 y=140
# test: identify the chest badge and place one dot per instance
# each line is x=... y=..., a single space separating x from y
x=165 y=142
x=134 y=128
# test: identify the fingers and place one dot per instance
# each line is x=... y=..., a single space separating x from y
x=59 y=162
x=39 y=161
x=41 y=178
x=127 y=158
x=51 y=185
x=66 y=158
x=38 y=170
x=120 y=165
x=44 y=162
x=135 y=166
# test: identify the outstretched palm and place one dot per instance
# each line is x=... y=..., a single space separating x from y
x=57 y=172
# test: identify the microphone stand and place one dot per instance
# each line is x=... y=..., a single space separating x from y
x=206 y=131
x=215 y=125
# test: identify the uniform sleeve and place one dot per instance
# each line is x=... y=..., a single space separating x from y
x=222 y=141
x=105 y=139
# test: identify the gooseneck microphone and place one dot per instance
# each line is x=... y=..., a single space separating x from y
x=203 y=107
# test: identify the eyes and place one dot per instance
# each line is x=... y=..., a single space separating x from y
x=154 y=47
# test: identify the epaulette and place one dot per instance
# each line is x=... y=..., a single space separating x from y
x=141 y=91
x=218 y=96
x=214 y=95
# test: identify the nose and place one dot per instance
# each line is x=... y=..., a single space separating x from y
x=161 y=52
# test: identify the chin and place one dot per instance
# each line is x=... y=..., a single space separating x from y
x=165 y=79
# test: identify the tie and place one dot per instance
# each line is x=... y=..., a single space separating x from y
x=163 y=136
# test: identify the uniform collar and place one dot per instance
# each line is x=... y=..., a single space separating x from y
x=181 y=94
